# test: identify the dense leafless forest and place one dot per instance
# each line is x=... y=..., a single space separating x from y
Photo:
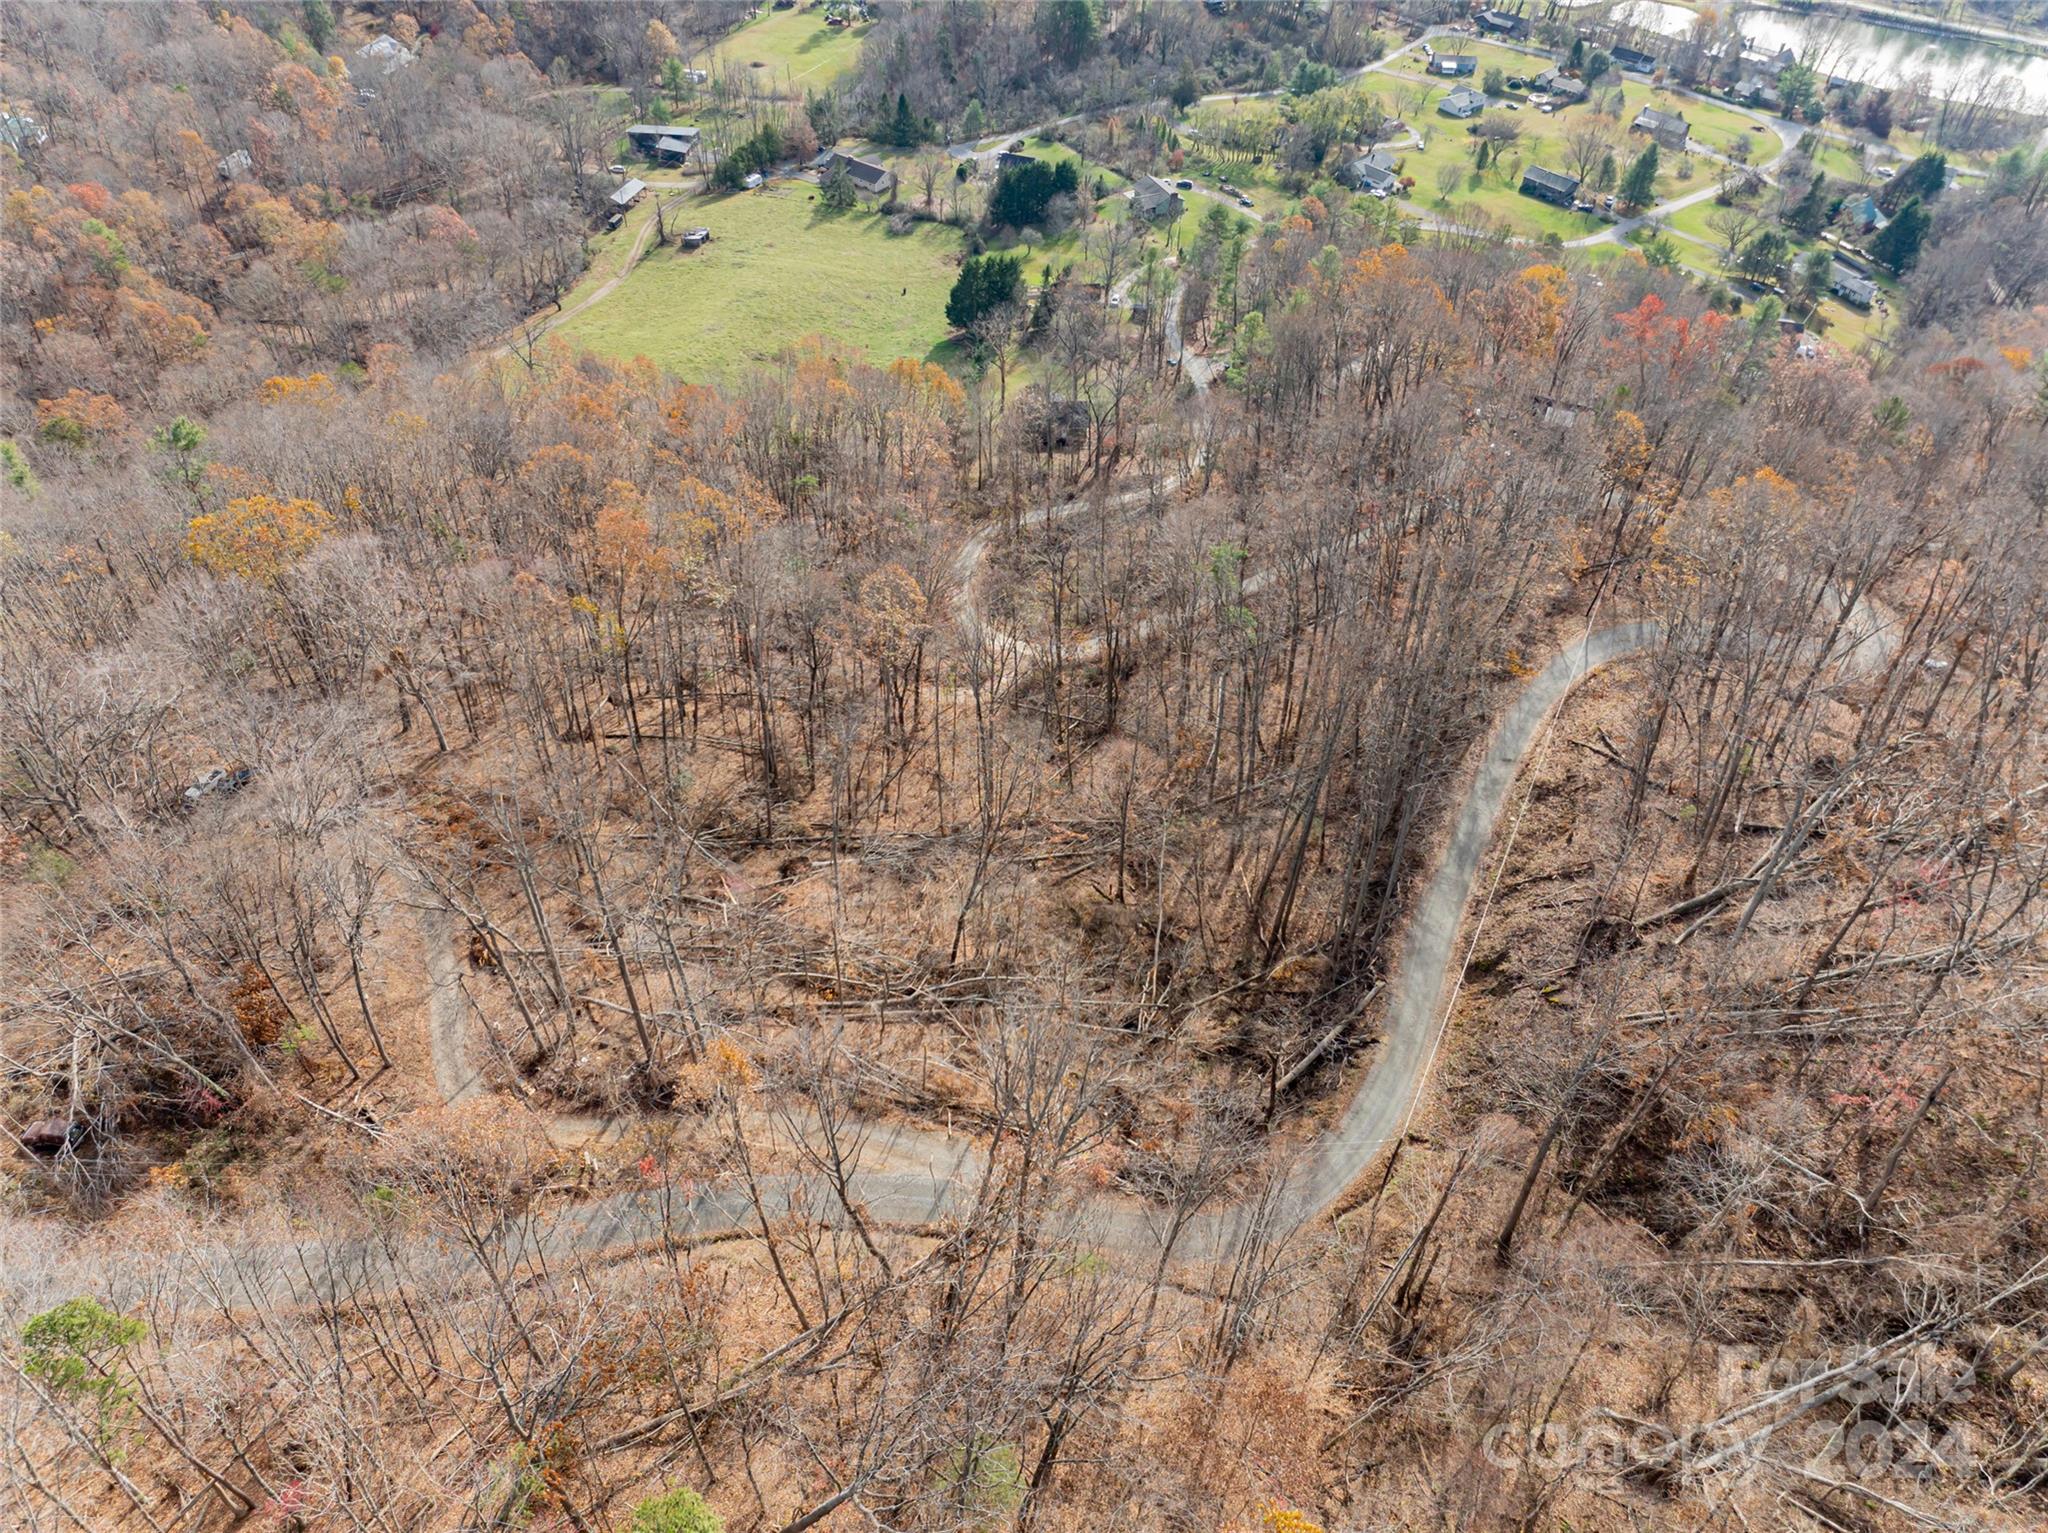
x=795 y=944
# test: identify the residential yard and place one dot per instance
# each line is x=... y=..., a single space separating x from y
x=777 y=269
x=786 y=53
x=1838 y=158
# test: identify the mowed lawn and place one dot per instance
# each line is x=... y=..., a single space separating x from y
x=777 y=269
x=795 y=50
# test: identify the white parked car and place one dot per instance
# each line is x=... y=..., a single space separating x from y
x=1886 y=172
x=615 y=170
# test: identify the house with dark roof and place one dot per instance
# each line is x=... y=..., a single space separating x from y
x=1463 y=102
x=1010 y=159
x=1154 y=198
x=671 y=142
x=1552 y=186
x=869 y=178
x=1455 y=65
x=1633 y=59
x=1556 y=83
x=1669 y=129
x=1377 y=171
x=1852 y=287
x=1755 y=89
x=1063 y=424
x=1502 y=23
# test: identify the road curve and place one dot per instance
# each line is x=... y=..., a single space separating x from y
x=944 y=1186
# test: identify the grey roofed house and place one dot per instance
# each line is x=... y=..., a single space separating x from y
x=1669 y=129
x=1502 y=23
x=1462 y=102
x=1373 y=172
x=1633 y=59
x=1550 y=186
x=1010 y=159
x=387 y=53
x=647 y=136
x=1756 y=88
x=626 y=195
x=866 y=175
x=1556 y=82
x=1155 y=198
x=1852 y=286
x=1454 y=64
x=674 y=148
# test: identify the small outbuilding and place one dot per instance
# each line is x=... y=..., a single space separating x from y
x=627 y=194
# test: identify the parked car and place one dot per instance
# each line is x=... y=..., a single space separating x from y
x=1512 y=106
x=1607 y=201
x=1886 y=172
x=615 y=170
x=1244 y=202
x=1185 y=185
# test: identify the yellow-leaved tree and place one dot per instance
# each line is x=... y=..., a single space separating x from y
x=257 y=537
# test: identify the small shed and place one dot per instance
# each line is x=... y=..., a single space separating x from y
x=692 y=238
x=628 y=194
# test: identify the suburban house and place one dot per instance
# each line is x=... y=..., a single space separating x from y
x=628 y=194
x=1463 y=102
x=1377 y=171
x=386 y=54
x=1633 y=59
x=670 y=143
x=869 y=179
x=1552 y=186
x=1864 y=212
x=1010 y=159
x=1502 y=23
x=1454 y=64
x=1155 y=198
x=1555 y=82
x=1852 y=287
x=1669 y=129
x=697 y=76
x=1757 y=91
